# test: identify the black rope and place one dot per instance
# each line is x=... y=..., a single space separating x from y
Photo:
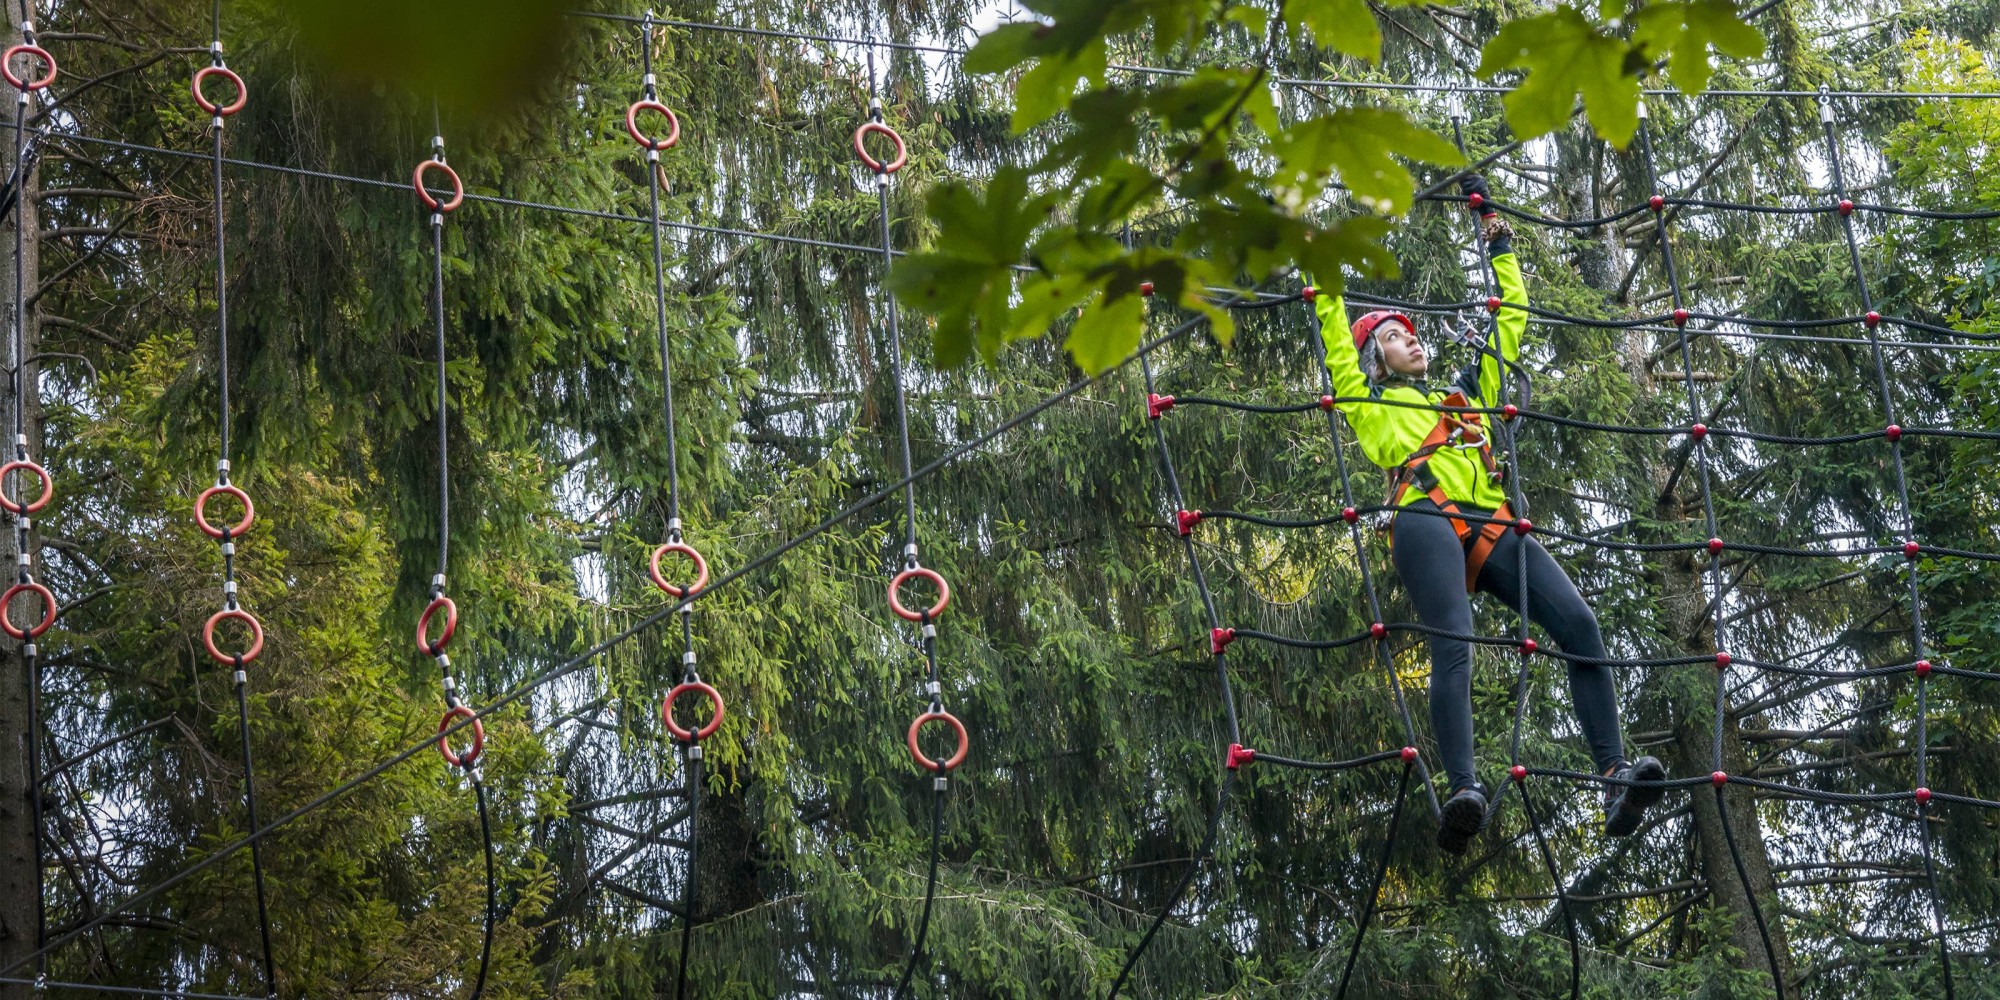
x=1370 y=901
x=1562 y=893
x=1908 y=519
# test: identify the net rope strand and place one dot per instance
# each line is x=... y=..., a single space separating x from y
x=470 y=762
x=226 y=536
x=1907 y=517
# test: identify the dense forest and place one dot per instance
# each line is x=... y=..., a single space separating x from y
x=803 y=853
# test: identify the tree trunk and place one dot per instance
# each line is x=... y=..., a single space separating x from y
x=20 y=874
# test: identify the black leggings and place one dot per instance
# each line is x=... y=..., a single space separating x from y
x=1431 y=560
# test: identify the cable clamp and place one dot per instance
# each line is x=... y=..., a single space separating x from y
x=215 y=49
x=221 y=471
x=1825 y=104
x=1454 y=103
x=674 y=529
x=229 y=587
x=437 y=584
x=694 y=751
x=28 y=650
x=443 y=662
x=687 y=659
x=1642 y=109
x=450 y=686
x=933 y=688
x=930 y=630
x=242 y=678
x=228 y=548
x=27 y=524
x=938 y=783
x=26 y=558
x=650 y=82
x=437 y=145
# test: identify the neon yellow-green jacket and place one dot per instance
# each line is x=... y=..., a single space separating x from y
x=1389 y=434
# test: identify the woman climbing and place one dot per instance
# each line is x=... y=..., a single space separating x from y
x=1441 y=465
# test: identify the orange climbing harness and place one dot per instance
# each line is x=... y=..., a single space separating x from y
x=1457 y=430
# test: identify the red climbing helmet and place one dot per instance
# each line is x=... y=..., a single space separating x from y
x=1364 y=327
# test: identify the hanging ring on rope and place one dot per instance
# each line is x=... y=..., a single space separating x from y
x=234 y=531
x=957 y=728
x=472 y=753
x=34 y=51
x=237 y=659
x=430 y=200
x=700 y=570
x=682 y=733
x=860 y=148
x=7 y=617
x=424 y=643
x=896 y=602
x=647 y=141
x=16 y=506
x=219 y=110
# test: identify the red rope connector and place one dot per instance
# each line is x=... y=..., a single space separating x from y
x=1715 y=545
x=957 y=728
x=1923 y=796
x=1923 y=668
x=646 y=141
x=1518 y=772
x=1893 y=433
x=33 y=51
x=1657 y=203
x=1240 y=755
x=1680 y=317
x=1523 y=526
x=1157 y=404
x=472 y=753
x=930 y=614
x=450 y=609
x=208 y=527
x=1509 y=412
x=1493 y=303
x=902 y=155
x=1409 y=754
x=1350 y=515
x=1529 y=646
x=1720 y=778
x=16 y=506
x=1308 y=293
x=1146 y=289
x=1187 y=519
x=1872 y=319
x=1911 y=550
x=237 y=659
x=1722 y=661
x=1698 y=431
x=700 y=570
x=7 y=605
x=430 y=200
x=1378 y=631
x=682 y=733
x=219 y=110
x=1846 y=207
x=1219 y=639
x=1326 y=402
x=1475 y=199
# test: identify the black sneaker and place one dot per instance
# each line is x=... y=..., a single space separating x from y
x=1625 y=805
x=1461 y=819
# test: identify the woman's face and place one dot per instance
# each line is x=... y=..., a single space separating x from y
x=1402 y=352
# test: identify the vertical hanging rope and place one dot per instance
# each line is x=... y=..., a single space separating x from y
x=1716 y=584
x=226 y=535
x=912 y=567
x=1911 y=550
x=676 y=544
x=17 y=504
x=468 y=760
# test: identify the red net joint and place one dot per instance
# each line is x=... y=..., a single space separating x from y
x=707 y=729
x=639 y=135
x=1657 y=203
x=1680 y=317
x=1239 y=755
x=1350 y=515
x=1872 y=319
x=1722 y=661
x=1146 y=288
x=1309 y=293
x=1157 y=404
x=1326 y=402
x=425 y=644
x=680 y=549
x=430 y=200
x=1409 y=754
x=1509 y=412
x=33 y=52
x=1187 y=519
x=861 y=148
x=1923 y=796
x=219 y=110
x=1719 y=778
x=29 y=507
x=1911 y=550
x=1529 y=647
x=922 y=615
x=473 y=752
x=1523 y=526
x=1846 y=207
x=1518 y=772
x=1923 y=668
x=1698 y=431
x=931 y=763
x=1493 y=303
x=224 y=532
x=7 y=610
x=1475 y=199
x=1378 y=631
x=1219 y=639
x=1716 y=545
x=1893 y=433
x=233 y=659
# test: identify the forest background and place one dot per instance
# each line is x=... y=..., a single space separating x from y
x=1075 y=649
